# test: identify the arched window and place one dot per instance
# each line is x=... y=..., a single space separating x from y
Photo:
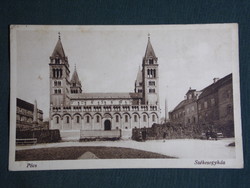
x=151 y=61
x=54 y=73
x=57 y=120
x=144 y=118
x=153 y=117
x=67 y=119
x=87 y=119
x=77 y=119
x=126 y=118
x=55 y=83
x=97 y=119
x=135 y=118
x=117 y=118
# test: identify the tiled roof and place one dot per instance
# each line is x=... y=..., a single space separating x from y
x=23 y=104
x=106 y=96
x=58 y=51
x=213 y=87
x=75 y=79
x=149 y=50
x=181 y=104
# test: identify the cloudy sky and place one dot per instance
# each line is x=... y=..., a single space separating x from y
x=108 y=57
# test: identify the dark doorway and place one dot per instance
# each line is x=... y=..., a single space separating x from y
x=107 y=125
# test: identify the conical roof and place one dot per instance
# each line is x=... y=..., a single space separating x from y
x=139 y=76
x=75 y=79
x=149 y=50
x=58 y=50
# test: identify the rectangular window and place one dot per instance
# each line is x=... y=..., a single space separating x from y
x=212 y=101
x=150 y=61
x=144 y=118
x=117 y=118
x=151 y=90
x=97 y=119
x=205 y=104
x=151 y=83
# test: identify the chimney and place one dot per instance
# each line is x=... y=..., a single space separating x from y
x=216 y=79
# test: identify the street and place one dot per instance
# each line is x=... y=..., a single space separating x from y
x=180 y=148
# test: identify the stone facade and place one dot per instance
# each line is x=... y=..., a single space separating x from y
x=73 y=109
x=210 y=108
x=27 y=115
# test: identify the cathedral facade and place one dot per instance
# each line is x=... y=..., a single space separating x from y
x=74 y=109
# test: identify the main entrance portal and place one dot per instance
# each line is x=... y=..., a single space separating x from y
x=107 y=125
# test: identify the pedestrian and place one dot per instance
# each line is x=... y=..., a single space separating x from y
x=144 y=134
x=164 y=136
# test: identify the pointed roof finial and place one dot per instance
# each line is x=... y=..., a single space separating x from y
x=59 y=35
x=75 y=67
x=148 y=36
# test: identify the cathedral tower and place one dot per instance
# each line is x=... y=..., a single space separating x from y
x=150 y=75
x=59 y=76
x=75 y=83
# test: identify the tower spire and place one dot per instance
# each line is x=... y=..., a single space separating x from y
x=59 y=35
x=149 y=50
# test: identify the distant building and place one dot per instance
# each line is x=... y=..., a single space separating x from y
x=73 y=109
x=215 y=105
x=28 y=116
x=210 y=108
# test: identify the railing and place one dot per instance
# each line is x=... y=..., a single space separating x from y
x=108 y=108
x=91 y=134
x=23 y=141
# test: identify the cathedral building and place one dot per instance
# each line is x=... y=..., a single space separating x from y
x=73 y=109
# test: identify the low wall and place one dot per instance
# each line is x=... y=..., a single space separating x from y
x=126 y=133
x=42 y=136
x=164 y=131
x=100 y=134
x=70 y=135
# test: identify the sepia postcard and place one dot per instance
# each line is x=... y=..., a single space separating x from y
x=135 y=96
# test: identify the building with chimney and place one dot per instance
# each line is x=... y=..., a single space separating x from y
x=72 y=108
x=208 y=109
x=28 y=116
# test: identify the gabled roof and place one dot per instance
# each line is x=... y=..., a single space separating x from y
x=149 y=50
x=58 y=50
x=139 y=76
x=190 y=91
x=213 y=87
x=75 y=79
x=106 y=96
x=24 y=104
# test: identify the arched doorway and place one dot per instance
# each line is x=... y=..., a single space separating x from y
x=107 y=125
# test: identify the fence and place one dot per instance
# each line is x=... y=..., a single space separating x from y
x=42 y=136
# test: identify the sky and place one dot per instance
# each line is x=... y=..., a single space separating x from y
x=107 y=58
